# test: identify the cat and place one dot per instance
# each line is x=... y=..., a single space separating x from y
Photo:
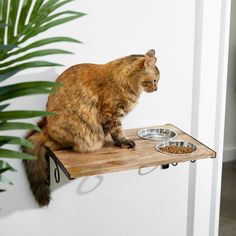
x=90 y=104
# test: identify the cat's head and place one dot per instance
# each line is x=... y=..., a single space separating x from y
x=150 y=74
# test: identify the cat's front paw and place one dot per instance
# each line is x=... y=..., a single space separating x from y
x=125 y=143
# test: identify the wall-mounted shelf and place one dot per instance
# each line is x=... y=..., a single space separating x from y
x=112 y=159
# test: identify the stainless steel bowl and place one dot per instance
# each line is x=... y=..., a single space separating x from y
x=176 y=143
x=156 y=134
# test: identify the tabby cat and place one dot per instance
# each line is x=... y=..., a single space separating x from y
x=91 y=104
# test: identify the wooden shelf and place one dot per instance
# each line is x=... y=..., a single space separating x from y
x=112 y=159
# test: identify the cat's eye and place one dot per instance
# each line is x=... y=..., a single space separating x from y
x=155 y=81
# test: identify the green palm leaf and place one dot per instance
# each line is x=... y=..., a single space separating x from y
x=39 y=43
x=44 y=11
x=4 y=166
x=18 y=125
x=31 y=55
x=59 y=4
x=15 y=140
x=35 y=10
x=51 y=17
x=5 y=153
x=16 y=56
x=13 y=115
x=6 y=47
x=4 y=141
x=10 y=71
x=23 y=15
x=37 y=30
x=26 y=92
x=27 y=88
x=40 y=18
x=13 y=8
x=35 y=84
x=2 y=25
x=3 y=19
x=47 y=6
x=2 y=107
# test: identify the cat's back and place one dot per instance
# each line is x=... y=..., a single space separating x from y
x=79 y=83
x=81 y=72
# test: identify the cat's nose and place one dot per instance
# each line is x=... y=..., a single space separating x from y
x=155 y=89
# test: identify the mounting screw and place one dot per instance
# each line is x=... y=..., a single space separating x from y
x=166 y=166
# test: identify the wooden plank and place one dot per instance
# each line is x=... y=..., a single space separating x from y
x=112 y=159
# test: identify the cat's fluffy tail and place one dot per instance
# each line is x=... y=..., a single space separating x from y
x=37 y=170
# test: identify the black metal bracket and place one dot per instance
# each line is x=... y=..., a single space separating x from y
x=57 y=173
x=166 y=166
x=175 y=164
x=57 y=176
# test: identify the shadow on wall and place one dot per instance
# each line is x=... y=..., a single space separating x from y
x=86 y=185
x=19 y=198
x=90 y=183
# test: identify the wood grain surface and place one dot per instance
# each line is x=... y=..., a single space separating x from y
x=112 y=159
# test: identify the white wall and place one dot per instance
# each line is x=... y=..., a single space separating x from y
x=230 y=115
x=124 y=203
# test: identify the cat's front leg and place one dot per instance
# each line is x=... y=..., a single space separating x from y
x=115 y=129
x=124 y=142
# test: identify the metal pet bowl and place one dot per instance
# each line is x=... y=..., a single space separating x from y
x=174 y=144
x=156 y=134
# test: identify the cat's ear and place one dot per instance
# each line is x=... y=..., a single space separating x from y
x=150 y=61
x=150 y=53
x=150 y=58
